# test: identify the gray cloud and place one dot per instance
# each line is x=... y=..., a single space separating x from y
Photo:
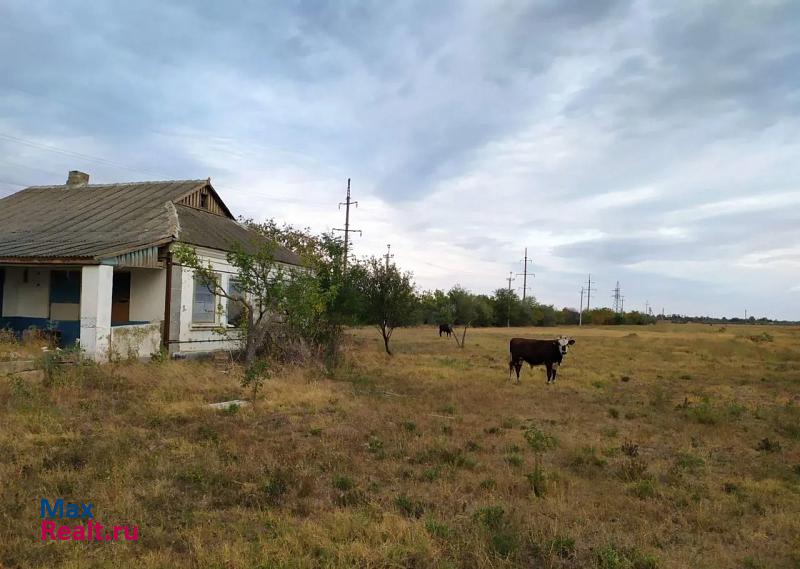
x=636 y=138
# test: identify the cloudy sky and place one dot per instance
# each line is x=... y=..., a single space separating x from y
x=652 y=143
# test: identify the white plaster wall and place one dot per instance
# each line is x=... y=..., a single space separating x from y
x=135 y=341
x=147 y=294
x=29 y=299
x=195 y=338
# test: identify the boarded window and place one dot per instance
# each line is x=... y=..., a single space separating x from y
x=204 y=308
x=235 y=308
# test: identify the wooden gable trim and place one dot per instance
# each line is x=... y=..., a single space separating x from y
x=207 y=199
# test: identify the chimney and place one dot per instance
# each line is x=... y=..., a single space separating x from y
x=77 y=179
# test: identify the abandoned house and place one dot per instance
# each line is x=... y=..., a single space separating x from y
x=92 y=263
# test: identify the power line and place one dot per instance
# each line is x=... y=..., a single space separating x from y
x=347 y=203
x=71 y=153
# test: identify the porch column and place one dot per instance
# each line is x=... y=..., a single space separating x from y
x=96 y=286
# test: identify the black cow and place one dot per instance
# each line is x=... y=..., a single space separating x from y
x=538 y=352
x=446 y=328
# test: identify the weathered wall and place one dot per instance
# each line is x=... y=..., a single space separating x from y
x=147 y=295
x=31 y=299
x=135 y=341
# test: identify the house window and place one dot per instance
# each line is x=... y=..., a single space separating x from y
x=204 y=308
x=235 y=309
x=204 y=201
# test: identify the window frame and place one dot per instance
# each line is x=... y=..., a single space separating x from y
x=196 y=282
x=231 y=280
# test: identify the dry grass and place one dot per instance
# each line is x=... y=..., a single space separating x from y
x=649 y=451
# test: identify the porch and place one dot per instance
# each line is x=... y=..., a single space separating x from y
x=107 y=309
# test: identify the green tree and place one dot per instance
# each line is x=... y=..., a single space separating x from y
x=388 y=296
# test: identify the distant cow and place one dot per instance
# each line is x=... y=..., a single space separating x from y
x=446 y=329
x=538 y=352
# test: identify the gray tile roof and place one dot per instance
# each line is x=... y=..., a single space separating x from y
x=98 y=221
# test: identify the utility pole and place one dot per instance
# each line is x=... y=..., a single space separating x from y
x=622 y=304
x=580 y=314
x=589 y=290
x=508 y=308
x=388 y=255
x=347 y=229
x=524 y=275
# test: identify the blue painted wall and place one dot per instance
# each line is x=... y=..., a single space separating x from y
x=65 y=287
x=70 y=329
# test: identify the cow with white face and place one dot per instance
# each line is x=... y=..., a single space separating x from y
x=564 y=343
x=549 y=353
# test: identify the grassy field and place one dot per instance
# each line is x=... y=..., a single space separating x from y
x=665 y=446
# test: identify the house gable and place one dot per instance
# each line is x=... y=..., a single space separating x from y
x=205 y=199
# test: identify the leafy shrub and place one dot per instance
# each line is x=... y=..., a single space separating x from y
x=538 y=481
x=430 y=474
x=514 y=459
x=538 y=440
x=609 y=557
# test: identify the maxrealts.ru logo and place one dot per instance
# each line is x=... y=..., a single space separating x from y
x=91 y=531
